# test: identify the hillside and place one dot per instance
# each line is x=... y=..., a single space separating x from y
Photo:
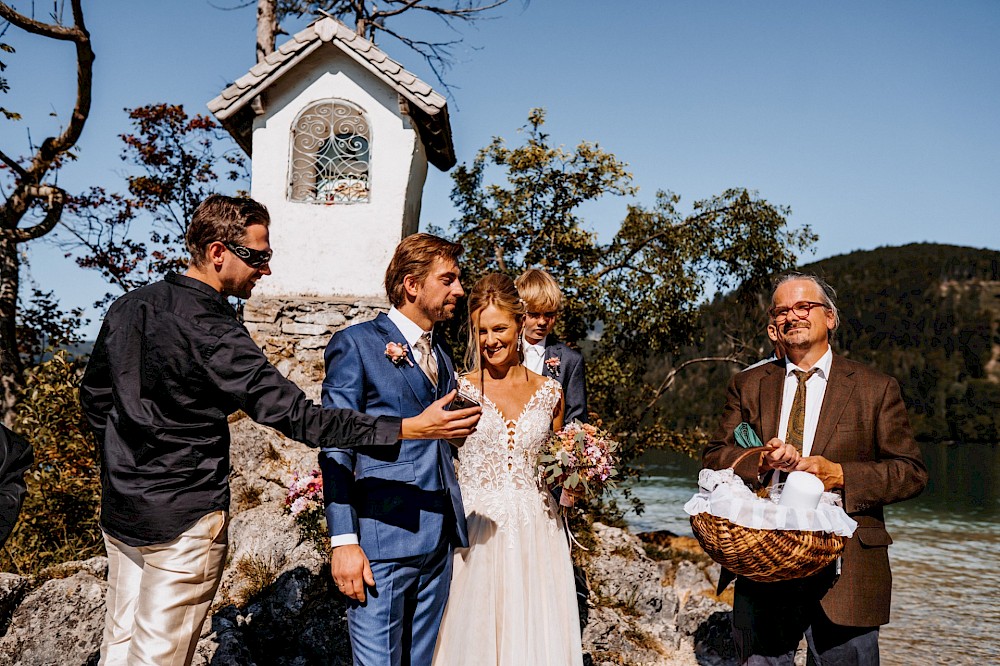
x=926 y=314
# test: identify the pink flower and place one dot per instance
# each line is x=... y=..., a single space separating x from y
x=580 y=457
x=300 y=505
x=397 y=353
x=553 y=365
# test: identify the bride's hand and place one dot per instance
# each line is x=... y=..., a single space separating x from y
x=569 y=496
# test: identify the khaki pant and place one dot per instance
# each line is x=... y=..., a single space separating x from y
x=159 y=595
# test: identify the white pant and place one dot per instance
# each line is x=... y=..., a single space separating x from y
x=159 y=595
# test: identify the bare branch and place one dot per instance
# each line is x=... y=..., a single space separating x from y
x=12 y=163
x=501 y=264
x=636 y=249
x=668 y=381
x=53 y=146
x=44 y=29
x=56 y=199
x=463 y=13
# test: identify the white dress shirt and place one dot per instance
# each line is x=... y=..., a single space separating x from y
x=815 y=390
x=534 y=356
x=411 y=333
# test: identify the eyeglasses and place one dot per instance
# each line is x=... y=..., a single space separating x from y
x=251 y=257
x=801 y=309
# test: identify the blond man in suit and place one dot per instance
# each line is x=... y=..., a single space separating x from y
x=849 y=427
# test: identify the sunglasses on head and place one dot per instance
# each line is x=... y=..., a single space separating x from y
x=251 y=257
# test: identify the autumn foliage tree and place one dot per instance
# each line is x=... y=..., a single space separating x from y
x=137 y=236
x=638 y=294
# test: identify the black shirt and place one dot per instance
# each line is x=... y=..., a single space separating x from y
x=15 y=459
x=171 y=362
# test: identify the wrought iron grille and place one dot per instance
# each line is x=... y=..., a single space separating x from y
x=330 y=155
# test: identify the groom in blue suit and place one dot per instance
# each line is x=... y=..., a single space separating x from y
x=395 y=513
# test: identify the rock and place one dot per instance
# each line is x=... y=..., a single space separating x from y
x=261 y=310
x=294 y=328
x=649 y=612
x=277 y=604
x=312 y=342
x=60 y=623
x=331 y=319
x=13 y=588
x=95 y=566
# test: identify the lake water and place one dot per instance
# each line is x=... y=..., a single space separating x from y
x=945 y=557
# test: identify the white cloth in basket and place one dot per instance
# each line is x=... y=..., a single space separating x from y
x=722 y=493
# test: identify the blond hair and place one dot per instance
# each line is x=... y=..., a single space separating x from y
x=539 y=290
x=494 y=289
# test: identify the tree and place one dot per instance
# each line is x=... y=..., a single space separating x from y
x=638 y=295
x=371 y=18
x=59 y=520
x=29 y=196
x=134 y=238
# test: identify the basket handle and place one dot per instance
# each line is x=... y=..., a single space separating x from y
x=757 y=449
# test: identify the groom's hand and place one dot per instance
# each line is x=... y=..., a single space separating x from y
x=351 y=571
x=438 y=422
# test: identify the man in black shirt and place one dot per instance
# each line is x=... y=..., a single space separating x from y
x=171 y=362
x=15 y=459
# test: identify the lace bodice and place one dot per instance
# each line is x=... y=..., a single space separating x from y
x=498 y=465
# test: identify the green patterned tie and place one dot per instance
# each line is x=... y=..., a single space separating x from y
x=797 y=417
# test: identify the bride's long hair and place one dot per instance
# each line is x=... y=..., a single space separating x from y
x=498 y=290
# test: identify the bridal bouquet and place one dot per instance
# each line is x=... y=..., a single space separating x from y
x=581 y=460
x=305 y=502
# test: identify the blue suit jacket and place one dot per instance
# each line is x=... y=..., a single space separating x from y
x=570 y=375
x=397 y=499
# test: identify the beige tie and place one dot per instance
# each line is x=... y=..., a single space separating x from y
x=427 y=363
x=797 y=417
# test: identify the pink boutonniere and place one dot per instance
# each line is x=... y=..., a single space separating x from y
x=553 y=365
x=397 y=353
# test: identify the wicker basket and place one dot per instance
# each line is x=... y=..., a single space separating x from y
x=766 y=556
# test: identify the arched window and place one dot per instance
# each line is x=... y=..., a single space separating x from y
x=330 y=154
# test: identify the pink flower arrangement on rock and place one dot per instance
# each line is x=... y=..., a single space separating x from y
x=305 y=502
x=581 y=460
x=305 y=493
x=397 y=353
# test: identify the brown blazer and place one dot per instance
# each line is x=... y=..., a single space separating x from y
x=863 y=426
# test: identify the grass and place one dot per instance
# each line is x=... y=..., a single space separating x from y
x=248 y=497
x=258 y=573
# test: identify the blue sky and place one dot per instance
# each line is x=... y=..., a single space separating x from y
x=877 y=123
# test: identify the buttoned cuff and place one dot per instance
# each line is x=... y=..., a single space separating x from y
x=343 y=540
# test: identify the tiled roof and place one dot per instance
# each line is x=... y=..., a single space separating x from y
x=427 y=109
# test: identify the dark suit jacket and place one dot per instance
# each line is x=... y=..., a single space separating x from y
x=863 y=426
x=397 y=499
x=15 y=459
x=571 y=375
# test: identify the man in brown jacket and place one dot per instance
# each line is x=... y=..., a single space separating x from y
x=845 y=423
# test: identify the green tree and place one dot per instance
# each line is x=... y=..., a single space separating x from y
x=59 y=520
x=639 y=294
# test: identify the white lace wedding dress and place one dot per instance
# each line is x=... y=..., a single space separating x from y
x=513 y=599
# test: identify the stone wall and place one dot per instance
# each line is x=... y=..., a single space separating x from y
x=294 y=332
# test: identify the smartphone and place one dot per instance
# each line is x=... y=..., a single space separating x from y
x=462 y=401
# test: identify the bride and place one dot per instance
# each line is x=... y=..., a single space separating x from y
x=513 y=599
